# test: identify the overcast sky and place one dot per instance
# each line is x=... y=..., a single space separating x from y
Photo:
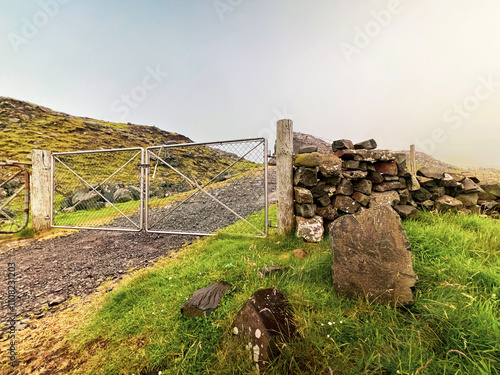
x=425 y=72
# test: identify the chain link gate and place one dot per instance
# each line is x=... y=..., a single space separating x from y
x=14 y=205
x=195 y=188
x=200 y=188
x=101 y=189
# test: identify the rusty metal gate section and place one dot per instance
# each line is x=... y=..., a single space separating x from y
x=102 y=189
x=200 y=188
x=14 y=197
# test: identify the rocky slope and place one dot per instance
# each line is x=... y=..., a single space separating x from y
x=24 y=126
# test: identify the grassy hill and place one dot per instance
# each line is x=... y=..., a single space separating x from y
x=25 y=126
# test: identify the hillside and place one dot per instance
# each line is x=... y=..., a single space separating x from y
x=24 y=126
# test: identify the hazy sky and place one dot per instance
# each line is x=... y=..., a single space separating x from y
x=402 y=72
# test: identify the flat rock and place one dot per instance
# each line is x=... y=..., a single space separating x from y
x=366 y=155
x=387 y=167
x=308 y=149
x=421 y=195
x=341 y=144
x=205 y=300
x=406 y=212
x=370 y=144
x=431 y=172
x=447 y=203
x=492 y=187
x=300 y=254
x=354 y=175
x=310 y=229
x=389 y=185
x=309 y=160
x=468 y=199
x=372 y=258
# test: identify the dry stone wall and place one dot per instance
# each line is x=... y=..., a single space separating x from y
x=354 y=177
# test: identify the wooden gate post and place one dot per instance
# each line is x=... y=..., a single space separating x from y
x=413 y=164
x=41 y=204
x=284 y=176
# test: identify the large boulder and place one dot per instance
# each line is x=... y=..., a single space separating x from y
x=123 y=195
x=372 y=258
x=85 y=200
x=431 y=172
x=265 y=322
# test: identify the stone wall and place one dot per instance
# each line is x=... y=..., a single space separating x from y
x=355 y=177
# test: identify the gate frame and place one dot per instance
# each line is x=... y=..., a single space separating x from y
x=201 y=188
x=27 y=191
x=141 y=203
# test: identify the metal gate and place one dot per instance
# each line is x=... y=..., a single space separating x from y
x=14 y=197
x=200 y=188
x=196 y=188
x=101 y=189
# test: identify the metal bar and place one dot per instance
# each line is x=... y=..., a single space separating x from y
x=156 y=165
x=266 y=214
x=9 y=218
x=208 y=143
x=12 y=197
x=96 y=151
x=102 y=196
x=211 y=196
x=96 y=228
x=146 y=203
x=10 y=179
x=52 y=188
x=198 y=190
x=141 y=204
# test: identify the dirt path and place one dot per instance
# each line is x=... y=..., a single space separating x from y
x=51 y=271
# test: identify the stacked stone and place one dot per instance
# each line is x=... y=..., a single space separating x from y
x=358 y=176
x=353 y=178
x=455 y=191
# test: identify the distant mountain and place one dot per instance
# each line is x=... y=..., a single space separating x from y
x=25 y=126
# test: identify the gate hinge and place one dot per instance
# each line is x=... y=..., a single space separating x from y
x=143 y=165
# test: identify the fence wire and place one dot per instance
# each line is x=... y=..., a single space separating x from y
x=98 y=189
x=14 y=197
x=202 y=188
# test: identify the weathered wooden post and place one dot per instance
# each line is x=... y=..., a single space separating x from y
x=284 y=176
x=41 y=204
x=413 y=164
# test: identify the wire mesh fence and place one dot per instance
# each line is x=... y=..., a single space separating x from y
x=14 y=197
x=483 y=174
x=98 y=189
x=202 y=188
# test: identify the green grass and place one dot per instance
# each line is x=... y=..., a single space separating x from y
x=452 y=328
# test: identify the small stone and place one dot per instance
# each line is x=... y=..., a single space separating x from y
x=305 y=210
x=370 y=144
x=310 y=229
x=375 y=177
x=345 y=187
x=413 y=184
x=345 y=204
x=302 y=195
x=388 y=198
x=322 y=201
x=328 y=212
x=330 y=165
x=205 y=300
x=427 y=182
x=354 y=175
x=387 y=167
x=389 y=185
x=468 y=199
x=363 y=186
x=447 y=203
x=437 y=192
x=342 y=144
x=407 y=212
x=431 y=172
x=308 y=149
x=57 y=301
x=421 y=195
x=310 y=160
x=305 y=177
x=299 y=254
x=361 y=198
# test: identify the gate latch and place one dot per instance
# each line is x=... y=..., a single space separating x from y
x=143 y=165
